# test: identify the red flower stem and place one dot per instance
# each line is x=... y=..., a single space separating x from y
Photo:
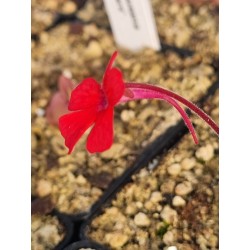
x=149 y=94
x=167 y=93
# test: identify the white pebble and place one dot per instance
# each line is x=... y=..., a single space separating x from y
x=172 y=248
x=205 y=153
x=174 y=169
x=44 y=188
x=168 y=237
x=169 y=215
x=183 y=188
x=116 y=240
x=188 y=163
x=178 y=201
x=127 y=115
x=141 y=220
x=156 y=197
x=40 y=112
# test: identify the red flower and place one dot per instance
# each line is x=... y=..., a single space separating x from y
x=93 y=103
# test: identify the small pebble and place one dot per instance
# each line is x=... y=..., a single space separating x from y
x=40 y=112
x=168 y=237
x=169 y=215
x=205 y=153
x=172 y=248
x=153 y=164
x=48 y=233
x=183 y=188
x=116 y=239
x=101 y=180
x=141 y=220
x=178 y=201
x=131 y=209
x=67 y=73
x=188 y=163
x=69 y=7
x=149 y=205
x=186 y=237
x=142 y=237
x=81 y=180
x=168 y=186
x=93 y=50
x=213 y=241
x=156 y=197
x=44 y=188
x=139 y=204
x=174 y=169
x=127 y=115
x=202 y=241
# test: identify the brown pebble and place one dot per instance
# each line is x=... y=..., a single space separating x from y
x=76 y=28
x=101 y=180
x=42 y=206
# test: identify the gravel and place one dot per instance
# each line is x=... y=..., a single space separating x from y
x=184 y=221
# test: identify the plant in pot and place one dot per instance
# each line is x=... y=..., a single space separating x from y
x=92 y=103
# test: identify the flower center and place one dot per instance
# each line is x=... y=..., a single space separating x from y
x=103 y=102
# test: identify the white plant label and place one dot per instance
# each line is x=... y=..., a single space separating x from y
x=133 y=24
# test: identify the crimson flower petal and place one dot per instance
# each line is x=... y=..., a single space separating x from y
x=101 y=136
x=86 y=95
x=111 y=62
x=73 y=125
x=113 y=86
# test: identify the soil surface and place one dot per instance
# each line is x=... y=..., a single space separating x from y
x=172 y=201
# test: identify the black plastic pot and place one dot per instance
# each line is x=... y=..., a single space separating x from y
x=68 y=225
x=85 y=244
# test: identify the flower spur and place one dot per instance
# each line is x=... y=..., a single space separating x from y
x=93 y=104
